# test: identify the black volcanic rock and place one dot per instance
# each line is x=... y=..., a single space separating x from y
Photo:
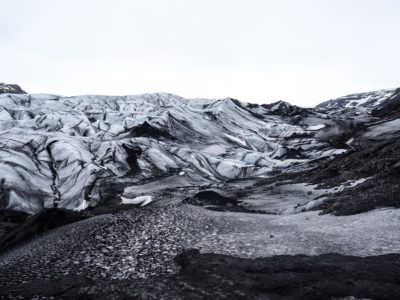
x=12 y=216
x=215 y=200
x=10 y=219
x=215 y=276
x=218 y=200
x=147 y=130
x=11 y=89
x=212 y=197
x=390 y=107
x=133 y=153
x=378 y=164
x=291 y=153
x=27 y=227
x=378 y=192
x=293 y=277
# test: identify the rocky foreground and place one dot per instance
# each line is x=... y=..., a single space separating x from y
x=210 y=276
x=142 y=253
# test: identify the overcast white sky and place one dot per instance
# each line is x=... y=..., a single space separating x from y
x=302 y=51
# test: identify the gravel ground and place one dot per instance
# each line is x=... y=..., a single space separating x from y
x=142 y=242
x=259 y=235
x=131 y=244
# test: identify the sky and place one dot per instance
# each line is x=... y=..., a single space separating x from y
x=261 y=51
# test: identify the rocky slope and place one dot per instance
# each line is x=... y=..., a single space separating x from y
x=205 y=276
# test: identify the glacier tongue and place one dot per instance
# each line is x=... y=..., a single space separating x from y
x=56 y=151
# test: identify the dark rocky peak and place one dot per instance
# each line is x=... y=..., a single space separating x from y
x=227 y=101
x=233 y=100
x=284 y=108
x=148 y=130
x=10 y=89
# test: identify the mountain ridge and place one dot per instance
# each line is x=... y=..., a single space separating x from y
x=369 y=99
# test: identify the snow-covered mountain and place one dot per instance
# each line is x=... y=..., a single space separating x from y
x=57 y=151
x=366 y=100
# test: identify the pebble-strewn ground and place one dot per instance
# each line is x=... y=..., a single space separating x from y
x=131 y=244
x=259 y=235
x=142 y=242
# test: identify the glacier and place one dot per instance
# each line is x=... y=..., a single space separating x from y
x=57 y=151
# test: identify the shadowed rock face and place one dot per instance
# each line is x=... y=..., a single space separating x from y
x=213 y=197
x=378 y=164
x=216 y=200
x=10 y=219
x=146 y=130
x=361 y=180
x=391 y=106
x=26 y=227
x=133 y=155
x=214 y=276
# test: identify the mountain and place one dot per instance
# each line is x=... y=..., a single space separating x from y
x=366 y=100
x=10 y=89
x=284 y=108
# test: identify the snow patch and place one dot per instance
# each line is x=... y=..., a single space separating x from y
x=83 y=205
x=142 y=200
x=316 y=127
